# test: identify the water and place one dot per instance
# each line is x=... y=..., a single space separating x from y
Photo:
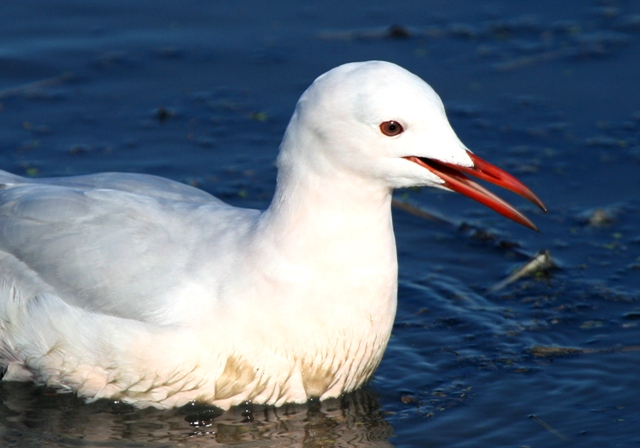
x=201 y=92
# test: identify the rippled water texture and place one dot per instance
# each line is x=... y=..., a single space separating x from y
x=201 y=92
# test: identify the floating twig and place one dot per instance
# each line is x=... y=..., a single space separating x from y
x=415 y=210
x=19 y=90
x=526 y=61
x=548 y=427
x=540 y=262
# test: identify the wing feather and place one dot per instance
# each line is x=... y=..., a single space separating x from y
x=119 y=244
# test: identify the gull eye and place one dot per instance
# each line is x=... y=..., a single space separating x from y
x=391 y=128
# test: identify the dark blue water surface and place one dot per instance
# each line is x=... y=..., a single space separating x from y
x=201 y=92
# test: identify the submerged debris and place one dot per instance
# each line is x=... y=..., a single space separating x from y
x=162 y=114
x=392 y=32
x=539 y=263
x=599 y=218
x=542 y=351
x=547 y=351
x=398 y=32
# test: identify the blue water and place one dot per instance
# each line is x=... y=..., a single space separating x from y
x=201 y=92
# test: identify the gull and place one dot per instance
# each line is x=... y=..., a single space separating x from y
x=136 y=288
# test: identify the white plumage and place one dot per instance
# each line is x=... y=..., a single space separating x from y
x=145 y=290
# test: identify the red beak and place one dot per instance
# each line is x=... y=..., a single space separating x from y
x=455 y=180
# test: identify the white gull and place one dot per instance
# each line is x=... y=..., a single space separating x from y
x=141 y=289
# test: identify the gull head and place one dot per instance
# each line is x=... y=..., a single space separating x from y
x=376 y=122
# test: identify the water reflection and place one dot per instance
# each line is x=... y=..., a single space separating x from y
x=38 y=416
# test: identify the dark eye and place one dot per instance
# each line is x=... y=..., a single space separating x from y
x=391 y=128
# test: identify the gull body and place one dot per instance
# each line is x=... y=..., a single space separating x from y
x=141 y=289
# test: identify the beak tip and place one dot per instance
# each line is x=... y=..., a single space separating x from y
x=536 y=200
x=521 y=219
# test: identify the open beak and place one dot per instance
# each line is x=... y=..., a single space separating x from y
x=455 y=180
